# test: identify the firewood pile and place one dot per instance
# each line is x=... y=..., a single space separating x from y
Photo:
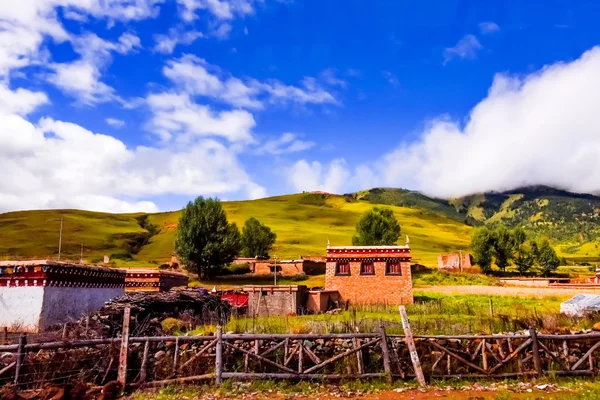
x=149 y=309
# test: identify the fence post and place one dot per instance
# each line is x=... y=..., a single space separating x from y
x=122 y=374
x=410 y=342
x=144 y=367
x=219 y=356
x=20 y=361
x=4 y=337
x=386 y=355
x=537 y=361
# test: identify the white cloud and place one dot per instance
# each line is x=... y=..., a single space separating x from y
x=391 y=78
x=30 y=22
x=177 y=115
x=81 y=78
x=98 y=172
x=329 y=76
x=488 y=27
x=332 y=178
x=166 y=43
x=286 y=143
x=466 y=48
x=539 y=129
x=115 y=123
x=21 y=101
x=219 y=9
x=198 y=78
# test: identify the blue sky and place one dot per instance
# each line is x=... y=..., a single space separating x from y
x=127 y=105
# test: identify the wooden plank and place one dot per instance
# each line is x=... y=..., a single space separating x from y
x=554 y=357
x=319 y=377
x=219 y=356
x=291 y=356
x=176 y=356
x=272 y=349
x=477 y=350
x=313 y=357
x=491 y=350
x=260 y=358
x=166 y=382
x=386 y=355
x=410 y=342
x=442 y=355
x=484 y=353
x=122 y=371
x=144 y=366
x=7 y=368
x=457 y=357
x=339 y=356
x=537 y=360
x=300 y=357
x=20 y=361
x=359 y=357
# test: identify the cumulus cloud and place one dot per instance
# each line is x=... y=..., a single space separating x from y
x=115 y=123
x=310 y=176
x=466 y=48
x=81 y=78
x=178 y=115
x=220 y=9
x=488 y=27
x=286 y=143
x=198 y=78
x=166 y=44
x=538 y=129
x=99 y=172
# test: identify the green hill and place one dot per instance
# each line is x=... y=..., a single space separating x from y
x=304 y=223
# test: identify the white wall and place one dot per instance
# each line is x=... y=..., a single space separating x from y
x=63 y=304
x=36 y=308
x=20 y=307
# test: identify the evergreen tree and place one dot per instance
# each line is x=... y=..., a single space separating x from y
x=547 y=258
x=377 y=227
x=257 y=239
x=205 y=240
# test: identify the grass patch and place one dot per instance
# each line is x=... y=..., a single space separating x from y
x=435 y=277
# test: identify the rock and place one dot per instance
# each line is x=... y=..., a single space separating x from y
x=308 y=344
x=160 y=355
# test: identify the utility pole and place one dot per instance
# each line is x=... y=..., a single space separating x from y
x=275 y=270
x=60 y=238
x=81 y=256
x=460 y=260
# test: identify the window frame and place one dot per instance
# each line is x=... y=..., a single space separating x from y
x=390 y=263
x=363 y=264
x=337 y=268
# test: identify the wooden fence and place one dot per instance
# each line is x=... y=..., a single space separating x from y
x=156 y=361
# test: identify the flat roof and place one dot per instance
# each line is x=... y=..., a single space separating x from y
x=366 y=247
x=53 y=263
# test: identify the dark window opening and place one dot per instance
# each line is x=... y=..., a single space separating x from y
x=367 y=268
x=342 y=268
x=393 y=268
x=273 y=269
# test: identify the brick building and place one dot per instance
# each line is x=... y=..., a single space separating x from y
x=454 y=261
x=284 y=267
x=370 y=274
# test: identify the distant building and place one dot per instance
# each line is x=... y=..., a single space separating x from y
x=153 y=280
x=454 y=261
x=307 y=266
x=36 y=295
x=370 y=274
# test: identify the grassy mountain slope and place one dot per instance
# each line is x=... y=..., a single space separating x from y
x=570 y=220
x=303 y=223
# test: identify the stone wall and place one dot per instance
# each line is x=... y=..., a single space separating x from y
x=453 y=261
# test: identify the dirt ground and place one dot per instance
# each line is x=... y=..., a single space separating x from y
x=506 y=291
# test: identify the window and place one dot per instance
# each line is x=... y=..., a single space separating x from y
x=367 y=268
x=342 y=268
x=273 y=269
x=393 y=268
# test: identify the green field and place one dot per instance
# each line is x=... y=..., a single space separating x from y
x=303 y=227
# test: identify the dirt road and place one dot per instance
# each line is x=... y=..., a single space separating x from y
x=506 y=291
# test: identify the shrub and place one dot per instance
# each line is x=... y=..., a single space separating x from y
x=170 y=325
x=237 y=269
x=298 y=278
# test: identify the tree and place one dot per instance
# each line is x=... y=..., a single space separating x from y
x=257 y=239
x=205 y=240
x=377 y=227
x=547 y=258
x=482 y=244
x=504 y=247
x=523 y=255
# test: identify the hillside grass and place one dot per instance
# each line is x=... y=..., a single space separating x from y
x=302 y=228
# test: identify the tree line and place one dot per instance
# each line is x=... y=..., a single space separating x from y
x=206 y=241
x=504 y=247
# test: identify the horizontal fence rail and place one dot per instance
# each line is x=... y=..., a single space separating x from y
x=160 y=360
